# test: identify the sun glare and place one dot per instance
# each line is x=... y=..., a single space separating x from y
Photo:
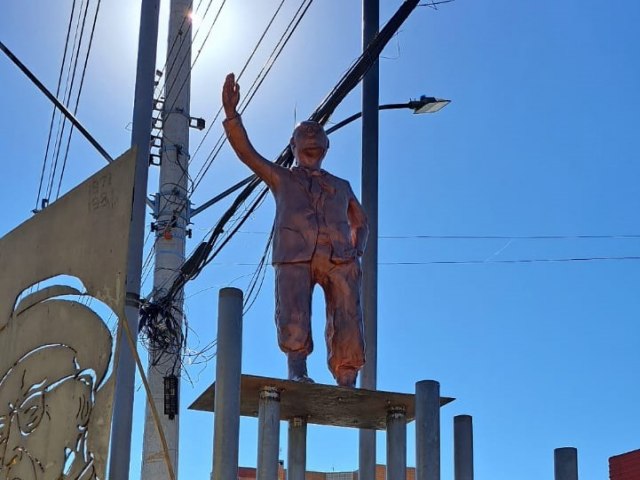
x=196 y=20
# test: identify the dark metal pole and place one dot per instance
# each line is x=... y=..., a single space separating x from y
x=74 y=121
x=565 y=463
x=370 y=100
x=462 y=447
x=140 y=138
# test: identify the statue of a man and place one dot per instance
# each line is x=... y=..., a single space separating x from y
x=320 y=233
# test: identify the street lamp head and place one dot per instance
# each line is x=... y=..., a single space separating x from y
x=428 y=104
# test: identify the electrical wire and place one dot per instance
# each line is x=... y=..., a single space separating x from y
x=516 y=261
x=71 y=76
x=244 y=67
x=54 y=110
x=182 y=37
x=266 y=68
x=169 y=91
x=77 y=103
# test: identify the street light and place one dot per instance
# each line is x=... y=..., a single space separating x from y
x=423 y=105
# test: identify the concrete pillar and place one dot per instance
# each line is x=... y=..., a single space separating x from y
x=565 y=463
x=397 y=443
x=462 y=447
x=268 y=433
x=428 y=430
x=227 y=398
x=297 y=449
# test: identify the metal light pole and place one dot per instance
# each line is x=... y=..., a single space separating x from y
x=172 y=218
x=140 y=137
x=370 y=98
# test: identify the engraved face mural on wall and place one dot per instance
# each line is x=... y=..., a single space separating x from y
x=56 y=388
x=48 y=395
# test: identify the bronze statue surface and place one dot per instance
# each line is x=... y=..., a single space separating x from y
x=320 y=232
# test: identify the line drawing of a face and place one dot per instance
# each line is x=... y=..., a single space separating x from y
x=48 y=394
x=36 y=406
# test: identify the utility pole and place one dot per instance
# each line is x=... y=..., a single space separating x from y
x=172 y=217
x=120 y=451
x=370 y=99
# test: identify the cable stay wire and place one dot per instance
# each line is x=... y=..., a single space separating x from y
x=77 y=101
x=55 y=109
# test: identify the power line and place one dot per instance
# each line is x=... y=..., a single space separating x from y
x=53 y=111
x=517 y=261
x=184 y=58
x=510 y=237
x=491 y=237
x=84 y=71
x=246 y=64
x=272 y=58
x=266 y=68
x=476 y=262
x=71 y=76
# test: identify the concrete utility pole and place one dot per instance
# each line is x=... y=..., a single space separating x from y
x=140 y=137
x=172 y=218
x=370 y=99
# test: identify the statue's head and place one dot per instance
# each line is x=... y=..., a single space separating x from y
x=309 y=144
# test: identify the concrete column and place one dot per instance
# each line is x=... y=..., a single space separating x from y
x=268 y=433
x=565 y=463
x=172 y=218
x=427 y=430
x=297 y=449
x=227 y=399
x=463 y=447
x=397 y=443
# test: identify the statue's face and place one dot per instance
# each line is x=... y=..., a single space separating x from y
x=42 y=425
x=310 y=144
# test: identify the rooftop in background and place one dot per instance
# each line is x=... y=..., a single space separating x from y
x=625 y=466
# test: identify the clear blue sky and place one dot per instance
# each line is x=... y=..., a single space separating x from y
x=540 y=140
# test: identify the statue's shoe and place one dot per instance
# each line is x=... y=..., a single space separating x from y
x=302 y=379
x=346 y=377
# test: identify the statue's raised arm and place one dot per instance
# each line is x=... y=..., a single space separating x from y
x=238 y=137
